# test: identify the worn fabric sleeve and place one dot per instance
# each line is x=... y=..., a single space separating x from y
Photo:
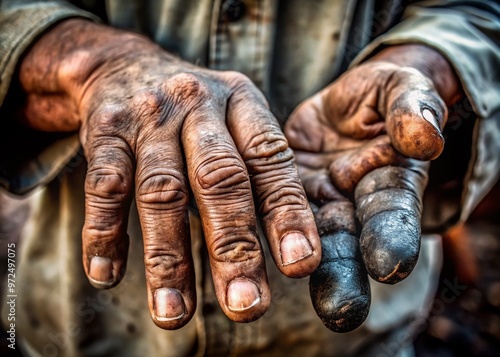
x=467 y=33
x=22 y=168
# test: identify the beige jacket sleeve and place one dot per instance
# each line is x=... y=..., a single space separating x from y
x=21 y=22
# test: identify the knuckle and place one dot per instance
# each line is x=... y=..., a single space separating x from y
x=104 y=229
x=290 y=195
x=101 y=231
x=245 y=94
x=268 y=147
x=233 y=246
x=223 y=172
x=162 y=188
x=161 y=263
x=271 y=164
x=106 y=185
x=187 y=87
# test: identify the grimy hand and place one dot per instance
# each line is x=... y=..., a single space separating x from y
x=362 y=146
x=160 y=129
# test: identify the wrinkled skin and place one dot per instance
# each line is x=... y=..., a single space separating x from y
x=356 y=143
x=161 y=130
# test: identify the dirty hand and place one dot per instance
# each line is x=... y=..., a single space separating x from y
x=160 y=130
x=361 y=145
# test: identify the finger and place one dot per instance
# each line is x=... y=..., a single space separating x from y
x=221 y=186
x=389 y=205
x=162 y=200
x=108 y=188
x=415 y=116
x=348 y=169
x=286 y=217
x=339 y=288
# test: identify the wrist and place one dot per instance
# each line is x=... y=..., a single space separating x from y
x=430 y=63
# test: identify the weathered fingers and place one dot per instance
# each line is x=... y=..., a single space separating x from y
x=108 y=193
x=162 y=197
x=217 y=127
x=150 y=162
x=286 y=217
x=348 y=169
x=221 y=186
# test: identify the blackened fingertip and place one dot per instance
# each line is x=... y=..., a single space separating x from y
x=339 y=288
x=390 y=245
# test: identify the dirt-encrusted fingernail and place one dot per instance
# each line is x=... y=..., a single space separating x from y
x=242 y=294
x=169 y=304
x=294 y=247
x=101 y=271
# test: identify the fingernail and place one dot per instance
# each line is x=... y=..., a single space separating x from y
x=294 y=247
x=242 y=294
x=427 y=114
x=169 y=304
x=101 y=271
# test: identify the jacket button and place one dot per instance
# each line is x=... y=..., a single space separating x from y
x=232 y=10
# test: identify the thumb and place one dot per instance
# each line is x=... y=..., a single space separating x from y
x=415 y=116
